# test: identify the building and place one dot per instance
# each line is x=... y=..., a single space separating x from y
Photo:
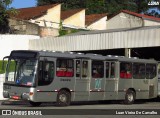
x=96 y=21
x=128 y=19
x=73 y=18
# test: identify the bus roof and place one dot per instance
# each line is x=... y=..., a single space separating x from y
x=74 y=55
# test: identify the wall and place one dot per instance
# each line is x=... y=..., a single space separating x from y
x=23 y=27
x=77 y=19
x=98 y=25
x=14 y=42
x=1 y=86
x=151 y=23
x=47 y=31
x=52 y=17
x=123 y=20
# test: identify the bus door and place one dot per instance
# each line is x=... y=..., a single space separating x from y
x=82 y=79
x=97 y=83
x=111 y=84
x=45 y=77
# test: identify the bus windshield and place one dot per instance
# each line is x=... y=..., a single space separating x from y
x=21 y=72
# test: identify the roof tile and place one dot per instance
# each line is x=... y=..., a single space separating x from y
x=93 y=17
x=68 y=13
x=141 y=15
x=33 y=12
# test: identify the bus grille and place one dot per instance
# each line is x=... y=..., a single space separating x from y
x=151 y=91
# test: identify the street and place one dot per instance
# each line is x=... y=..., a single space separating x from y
x=143 y=108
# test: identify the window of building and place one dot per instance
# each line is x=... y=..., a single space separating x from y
x=46 y=73
x=97 y=69
x=150 y=71
x=125 y=70
x=64 y=68
x=139 y=71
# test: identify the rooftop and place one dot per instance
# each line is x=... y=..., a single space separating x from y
x=141 y=15
x=93 y=18
x=33 y=12
x=68 y=13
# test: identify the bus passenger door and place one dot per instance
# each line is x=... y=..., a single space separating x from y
x=111 y=84
x=97 y=80
x=82 y=80
x=45 y=78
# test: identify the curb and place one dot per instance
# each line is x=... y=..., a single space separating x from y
x=13 y=102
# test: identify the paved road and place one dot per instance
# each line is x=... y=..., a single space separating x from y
x=88 y=109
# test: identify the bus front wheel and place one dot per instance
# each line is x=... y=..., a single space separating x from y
x=129 y=97
x=63 y=98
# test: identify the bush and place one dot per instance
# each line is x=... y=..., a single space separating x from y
x=5 y=63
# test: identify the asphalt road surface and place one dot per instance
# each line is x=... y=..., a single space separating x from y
x=107 y=109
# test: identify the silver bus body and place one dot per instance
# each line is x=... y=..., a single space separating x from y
x=80 y=84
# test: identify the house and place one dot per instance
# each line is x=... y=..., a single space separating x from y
x=128 y=19
x=96 y=21
x=74 y=18
x=48 y=15
x=42 y=20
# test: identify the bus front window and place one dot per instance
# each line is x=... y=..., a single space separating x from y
x=25 y=72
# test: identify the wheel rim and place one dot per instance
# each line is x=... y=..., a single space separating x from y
x=63 y=98
x=130 y=97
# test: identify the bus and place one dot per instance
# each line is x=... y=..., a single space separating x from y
x=65 y=77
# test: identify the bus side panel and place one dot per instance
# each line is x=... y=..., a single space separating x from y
x=153 y=87
x=141 y=88
x=82 y=89
x=124 y=85
x=111 y=89
x=49 y=93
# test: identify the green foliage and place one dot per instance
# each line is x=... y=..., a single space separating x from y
x=4 y=15
x=2 y=70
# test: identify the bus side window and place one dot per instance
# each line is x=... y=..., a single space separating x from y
x=85 y=69
x=112 y=73
x=64 y=68
x=107 y=69
x=150 y=71
x=78 y=68
x=97 y=69
x=125 y=70
x=139 y=71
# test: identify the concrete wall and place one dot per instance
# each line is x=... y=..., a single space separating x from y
x=14 y=42
x=47 y=31
x=123 y=20
x=151 y=23
x=23 y=27
x=52 y=18
x=1 y=86
x=98 y=25
x=77 y=19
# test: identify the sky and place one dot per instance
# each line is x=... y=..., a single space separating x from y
x=23 y=3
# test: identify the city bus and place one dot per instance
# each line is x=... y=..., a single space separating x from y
x=65 y=77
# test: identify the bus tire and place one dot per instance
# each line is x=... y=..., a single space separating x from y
x=63 y=98
x=129 y=97
x=35 y=104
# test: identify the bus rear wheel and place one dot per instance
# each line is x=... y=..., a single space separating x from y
x=129 y=97
x=35 y=104
x=63 y=98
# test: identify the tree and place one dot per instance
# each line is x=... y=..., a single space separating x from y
x=102 y=6
x=4 y=15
